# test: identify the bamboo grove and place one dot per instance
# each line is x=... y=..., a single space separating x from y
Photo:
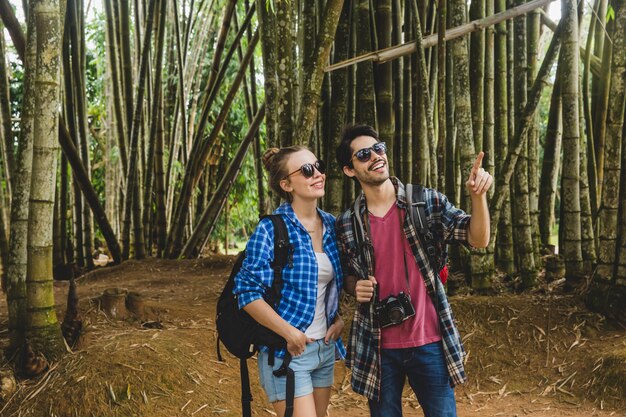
x=191 y=92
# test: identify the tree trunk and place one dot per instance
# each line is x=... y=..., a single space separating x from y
x=209 y=216
x=608 y=290
x=462 y=107
x=601 y=104
x=441 y=94
x=551 y=165
x=159 y=184
x=522 y=228
x=155 y=123
x=267 y=23
x=588 y=116
x=570 y=244
x=398 y=88
x=123 y=16
x=534 y=34
x=405 y=149
x=586 y=222
x=519 y=141
x=198 y=160
x=258 y=164
x=18 y=255
x=383 y=77
x=338 y=111
x=504 y=242
x=132 y=180
x=43 y=330
x=82 y=184
x=365 y=98
x=114 y=49
x=422 y=74
x=7 y=146
x=76 y=34
x=608 y=223
x=477 y=73
x=314 y=73
x=284 y=50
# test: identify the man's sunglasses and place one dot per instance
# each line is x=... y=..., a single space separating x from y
x=308 y=170
x=365 y=154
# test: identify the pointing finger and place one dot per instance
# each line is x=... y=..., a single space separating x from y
x=478 y=162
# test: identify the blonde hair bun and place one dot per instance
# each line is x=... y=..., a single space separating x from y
x=268 y=156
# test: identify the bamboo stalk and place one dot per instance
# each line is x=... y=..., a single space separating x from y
x=595 y=62
x=503 y=177
x=91 y=197
x=432 y=40
x=209 y=216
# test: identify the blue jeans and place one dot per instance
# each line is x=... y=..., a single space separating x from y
x=425 y=367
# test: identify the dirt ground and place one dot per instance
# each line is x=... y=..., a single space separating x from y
x=529 y=354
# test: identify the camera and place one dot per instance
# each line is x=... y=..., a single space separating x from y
x=394 y=309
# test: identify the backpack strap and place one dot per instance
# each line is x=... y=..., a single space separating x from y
x=417 y=214
x=246 y=395
x=283 y=256
x=287 y=372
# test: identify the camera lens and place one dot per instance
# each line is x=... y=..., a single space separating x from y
x=396 y=314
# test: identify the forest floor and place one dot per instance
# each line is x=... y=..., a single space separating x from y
x=528 y=354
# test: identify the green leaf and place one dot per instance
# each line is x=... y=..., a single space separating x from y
x=610 y=14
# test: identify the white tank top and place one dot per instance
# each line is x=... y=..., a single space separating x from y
x=325 y=275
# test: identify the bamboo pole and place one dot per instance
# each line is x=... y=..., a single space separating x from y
x=503 y=177
x=432 y=40
x=207 y=220
x=596 y=63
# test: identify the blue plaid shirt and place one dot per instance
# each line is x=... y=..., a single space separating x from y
x=299 y=294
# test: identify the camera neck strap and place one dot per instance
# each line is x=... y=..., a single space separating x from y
x=406 y=270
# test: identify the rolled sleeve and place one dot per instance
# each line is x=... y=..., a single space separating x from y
x=343 y=244
x=454 y=220
x=256 y=274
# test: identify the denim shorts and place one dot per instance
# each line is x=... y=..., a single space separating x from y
x=313 y=369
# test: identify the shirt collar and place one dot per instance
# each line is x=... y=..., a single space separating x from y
x=400 y=195
x=287 y=210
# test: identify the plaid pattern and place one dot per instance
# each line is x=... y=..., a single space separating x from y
x=363 y=357
x=299 y=294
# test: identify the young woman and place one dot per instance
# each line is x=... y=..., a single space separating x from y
x=307 y=316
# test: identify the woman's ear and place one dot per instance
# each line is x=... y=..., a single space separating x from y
x=286 y=185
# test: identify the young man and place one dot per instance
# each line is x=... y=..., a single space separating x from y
x=390 y=275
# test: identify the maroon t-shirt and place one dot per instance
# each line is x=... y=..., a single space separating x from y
x=389 y=245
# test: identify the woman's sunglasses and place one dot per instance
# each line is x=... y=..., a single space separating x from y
x=365 y=154
x=308 y=170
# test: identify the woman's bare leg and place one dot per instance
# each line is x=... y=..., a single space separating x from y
x=304 y=406
x=322 y=398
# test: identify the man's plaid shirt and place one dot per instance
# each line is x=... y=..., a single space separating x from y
x=363 y=357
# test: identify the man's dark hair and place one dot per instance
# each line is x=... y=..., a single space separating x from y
x=349 y=133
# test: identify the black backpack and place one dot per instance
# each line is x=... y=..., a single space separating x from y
x=435 y=250
x=242 y=335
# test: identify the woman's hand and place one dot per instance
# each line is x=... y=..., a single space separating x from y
x=296 y=342
x=334 y=331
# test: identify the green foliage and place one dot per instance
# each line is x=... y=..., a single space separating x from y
x=16 y=86
x=243 y=212
x=610 y=14
x=96 y=100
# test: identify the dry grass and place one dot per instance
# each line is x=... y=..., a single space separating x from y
x=538 y=354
